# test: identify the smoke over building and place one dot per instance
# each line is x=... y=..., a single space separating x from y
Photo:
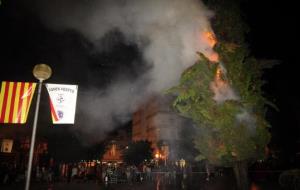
x=156 y=122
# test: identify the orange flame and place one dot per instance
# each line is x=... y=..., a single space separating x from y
x=219 y=80
x=209 y=38
x=219 y=74
x=214 y=57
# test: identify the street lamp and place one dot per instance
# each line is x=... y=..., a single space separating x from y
x=41 y=72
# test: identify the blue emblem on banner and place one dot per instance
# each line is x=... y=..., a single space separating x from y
x=60 y=99
x=60 y=114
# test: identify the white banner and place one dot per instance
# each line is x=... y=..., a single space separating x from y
x=7 y=145
x=62 y=102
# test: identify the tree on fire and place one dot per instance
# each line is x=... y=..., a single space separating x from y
x=222 y=139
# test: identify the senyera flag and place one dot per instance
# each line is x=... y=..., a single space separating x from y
x=62 y=102
x=15 y=100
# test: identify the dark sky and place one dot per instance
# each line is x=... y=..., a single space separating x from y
x=274 y=35
x=25 y=41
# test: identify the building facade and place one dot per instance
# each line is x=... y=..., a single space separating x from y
x=117 y=143
x=155 y=121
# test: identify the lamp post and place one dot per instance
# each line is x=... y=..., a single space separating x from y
x=40 y=72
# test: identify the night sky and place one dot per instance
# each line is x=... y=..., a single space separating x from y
x=26 y=41
x=273 y=35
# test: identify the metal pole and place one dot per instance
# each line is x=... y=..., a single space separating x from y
x=36 y=114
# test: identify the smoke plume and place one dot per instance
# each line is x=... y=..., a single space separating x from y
x=167 y=32
x=248 y=120
x=221 y=88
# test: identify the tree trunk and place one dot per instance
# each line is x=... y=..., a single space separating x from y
x=240 y=169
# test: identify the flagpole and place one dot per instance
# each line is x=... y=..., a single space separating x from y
x=41 y=72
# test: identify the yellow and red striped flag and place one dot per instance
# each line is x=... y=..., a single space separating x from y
x=15 y=100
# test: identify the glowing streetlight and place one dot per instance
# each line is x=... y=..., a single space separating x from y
x=41 y=72
x=157 y=155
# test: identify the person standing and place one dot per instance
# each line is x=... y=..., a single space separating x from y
x=74 y=172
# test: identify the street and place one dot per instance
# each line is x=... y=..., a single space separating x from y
x=223 y=183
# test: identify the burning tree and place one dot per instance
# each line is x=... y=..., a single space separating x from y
x=232 y=128
x=222 y=94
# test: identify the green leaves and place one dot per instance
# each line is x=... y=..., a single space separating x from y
x=224 y=137
x=232 y=130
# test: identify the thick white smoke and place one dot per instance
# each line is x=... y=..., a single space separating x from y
x=223 y=92
x=221 y=88
x=166 y=31
x=247 y=120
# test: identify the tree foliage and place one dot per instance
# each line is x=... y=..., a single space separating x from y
x=221 y=138
x=236 y=129
x=137 y=152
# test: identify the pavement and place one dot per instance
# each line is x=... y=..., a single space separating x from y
x=199 y=184
x=125 y=186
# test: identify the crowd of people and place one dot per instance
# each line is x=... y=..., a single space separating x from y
x=132 y=174
x=10 y=174
x=100 y=173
